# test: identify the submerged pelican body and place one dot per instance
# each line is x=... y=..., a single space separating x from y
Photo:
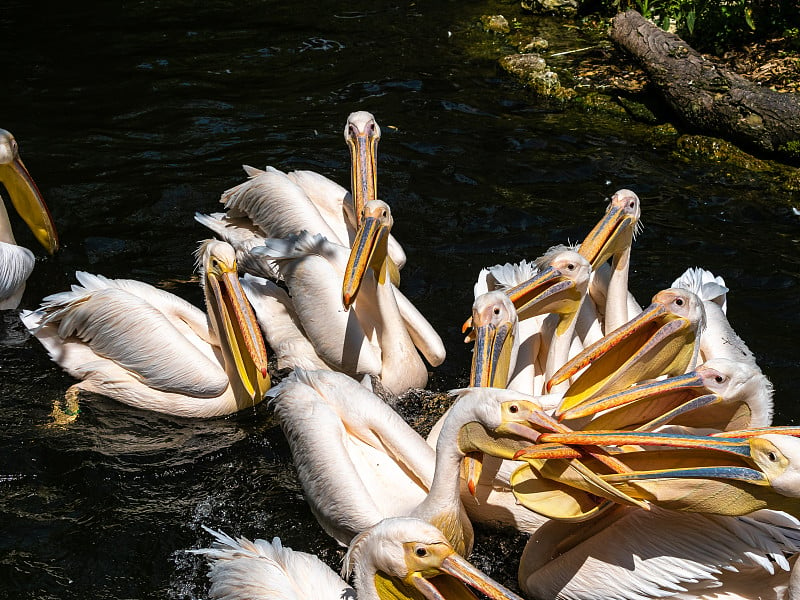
x=145 y=347
x=16 y=262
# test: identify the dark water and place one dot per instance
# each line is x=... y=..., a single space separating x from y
x=134 y=115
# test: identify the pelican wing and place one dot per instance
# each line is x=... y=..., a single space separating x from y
x=277 y=205
x=704 y=285
x=422 y=333
x=123 y=328
x=328 y=197
x=16 y=265
x=243 y=236
x=645 y=555
x=356 y=459
x=260 y=570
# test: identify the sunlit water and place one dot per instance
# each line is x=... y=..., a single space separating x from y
x=133 y=117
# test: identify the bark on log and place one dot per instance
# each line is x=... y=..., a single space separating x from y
x=706 y=96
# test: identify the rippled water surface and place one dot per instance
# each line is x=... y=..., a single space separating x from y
x=134 y=115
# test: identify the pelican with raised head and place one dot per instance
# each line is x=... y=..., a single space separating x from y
x=130 y=341
x=400 y=329
x=662 y=340
x=279 y=204
x=16 y=262
x=396 y=559
x=548 y=305
x=612 y=238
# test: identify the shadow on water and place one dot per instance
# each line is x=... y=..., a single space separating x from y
x=132 y=118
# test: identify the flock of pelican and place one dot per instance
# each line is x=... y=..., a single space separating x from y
x=634 y=446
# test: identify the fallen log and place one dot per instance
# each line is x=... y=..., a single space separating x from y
x=708 y=97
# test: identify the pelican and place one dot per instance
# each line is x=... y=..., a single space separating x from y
x=632 y=554
x=548 y=302
x=280 y=204
x=397 y=559
x=718 y=475
x=16 y=262
x=662 y=340
x=378 y=336
x=612 y=238
x=359 y=462
x=721 y=394
x=719 y=339
x=150 y=349
x=569 y=273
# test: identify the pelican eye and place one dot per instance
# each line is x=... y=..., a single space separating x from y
x=571 y=266
x=421 y=552
x=383 y=214
x=679 y=301
x=513 y=409
x=496 y=310
x=631 y=204
x=719 y=379
x=772 y=456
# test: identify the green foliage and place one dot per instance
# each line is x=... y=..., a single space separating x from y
x=713 y=24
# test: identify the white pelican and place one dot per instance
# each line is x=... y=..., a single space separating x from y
x=721 y=394
x=548 y=297
x=612 y=238
x=661 y=340
x=280 y=204
x=359 y=462
x=145 y=347
x=16 y=262
x=397 y=559
x=566 y=275
x=731 y=473
x=632 y=554
x=523 y=347
x=379 y=335
x=719 y=339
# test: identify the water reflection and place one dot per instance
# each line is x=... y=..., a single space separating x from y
x=134 y=118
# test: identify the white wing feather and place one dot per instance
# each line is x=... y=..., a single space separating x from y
x=259 y=570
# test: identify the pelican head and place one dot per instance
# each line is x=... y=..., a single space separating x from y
x=662 y=340
x=778 y=457
x=496 y=421
x=233 y=320
x=362 y=134
x=720 y=475
x=559 y=285
x=494 y=325
x=24 y=194
x=370 y=249
x=615 y=231
x=493 y=421
x=720 y=394
x=402 y=557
